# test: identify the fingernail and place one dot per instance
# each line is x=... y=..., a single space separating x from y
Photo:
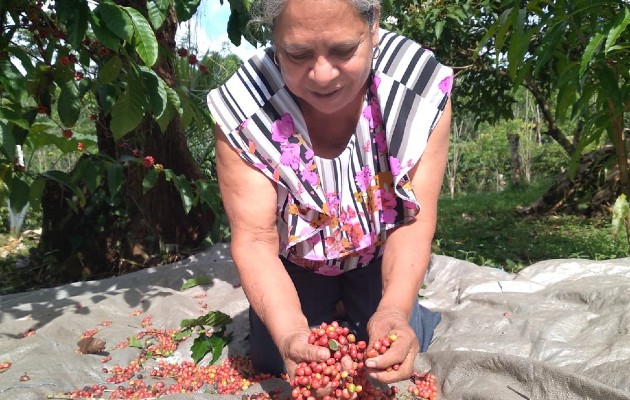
x=370 y=364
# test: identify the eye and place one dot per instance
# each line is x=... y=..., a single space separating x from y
x=298 y=57
x=344 y=53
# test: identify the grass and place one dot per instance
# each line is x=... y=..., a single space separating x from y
x=481 y=228
x=484 y=229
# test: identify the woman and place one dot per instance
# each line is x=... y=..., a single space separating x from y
x=331 y=149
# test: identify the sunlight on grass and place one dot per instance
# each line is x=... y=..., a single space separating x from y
x=484 y=229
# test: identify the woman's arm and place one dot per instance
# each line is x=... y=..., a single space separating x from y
x=250 y=201
x=407 y=254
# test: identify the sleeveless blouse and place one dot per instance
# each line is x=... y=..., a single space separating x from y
x=333 y=214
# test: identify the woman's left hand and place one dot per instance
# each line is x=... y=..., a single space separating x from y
x=403 y=351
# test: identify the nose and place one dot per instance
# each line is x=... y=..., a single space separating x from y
x=323 y=72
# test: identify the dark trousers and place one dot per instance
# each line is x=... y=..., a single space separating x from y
x=359 y=290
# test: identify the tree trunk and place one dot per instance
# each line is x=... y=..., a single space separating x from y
x=103 y=239
x=621 y=151
x=514 y=140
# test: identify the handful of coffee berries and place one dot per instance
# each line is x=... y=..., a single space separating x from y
x=346 y=383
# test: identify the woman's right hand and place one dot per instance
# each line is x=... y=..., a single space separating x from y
x=294 y=349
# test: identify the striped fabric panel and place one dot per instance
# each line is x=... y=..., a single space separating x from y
x=411 y=101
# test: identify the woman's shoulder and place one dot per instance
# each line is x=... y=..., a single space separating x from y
x=250 y=88
x=406 y=61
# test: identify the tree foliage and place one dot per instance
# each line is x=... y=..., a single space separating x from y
x=135 y=185
x=572 y=56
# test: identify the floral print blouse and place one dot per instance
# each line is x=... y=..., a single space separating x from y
x=333 y=214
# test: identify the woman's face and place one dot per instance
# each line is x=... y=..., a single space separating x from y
x=324 y=48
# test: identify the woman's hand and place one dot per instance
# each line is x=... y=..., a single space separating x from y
x=294 y=349
x=403 y=351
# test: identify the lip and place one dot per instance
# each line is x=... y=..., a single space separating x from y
x=326 y=95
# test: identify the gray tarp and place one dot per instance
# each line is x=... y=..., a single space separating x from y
x=560 y=329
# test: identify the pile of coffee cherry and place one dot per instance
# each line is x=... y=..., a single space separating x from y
x=349 y=383
x=236 y=374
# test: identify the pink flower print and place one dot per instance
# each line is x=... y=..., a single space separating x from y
x=447 y=84
x=388 y=201
x=381 y=142
x=309 y=174
x=260 y=166
x=333 y=202
x=244 y=124
x=309 y=154
x=372 y=113
x=367 y=146
x=363 y=178
x=389 y=216
x=333 y=247
x=376 y=81
x=349 y=215
x=290 y=155
x=367 y=254
x=394 y=165
x=409 y=205
x=314 y=240
x=282 y=129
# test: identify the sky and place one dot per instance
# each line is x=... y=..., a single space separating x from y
x=210 y=28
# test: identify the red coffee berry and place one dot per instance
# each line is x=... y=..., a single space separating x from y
x=148 y=162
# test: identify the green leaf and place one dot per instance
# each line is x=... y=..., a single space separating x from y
x=209 y=194
x=35 y=195
x=157 y=10
x=128 y=111
x=609 y=86
x=135 y=342
x=182 y=334
x=74 y=14
x=620 y=214
x=196 y=282
x=11 y=116
x=25 y=59
x=92 y=176
x=165 y=118
x=6 y=172
x=185 y=9
x=439 y=28
x=589 y=52
x=117 y=20
x=103 y=34
x=110 y=71
x=144 y=38
x=548 y=47
x=107 y=96
x=11 y=80
x=185 y=192
x=621 y=23
x=200 y=347
x=212 y=318
x=69 y=106
x=150 y=179
x=115 y=179
x=156 y=91
x=20 y=190
x=174 y=99
x=7 y=142
x=66 y=180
